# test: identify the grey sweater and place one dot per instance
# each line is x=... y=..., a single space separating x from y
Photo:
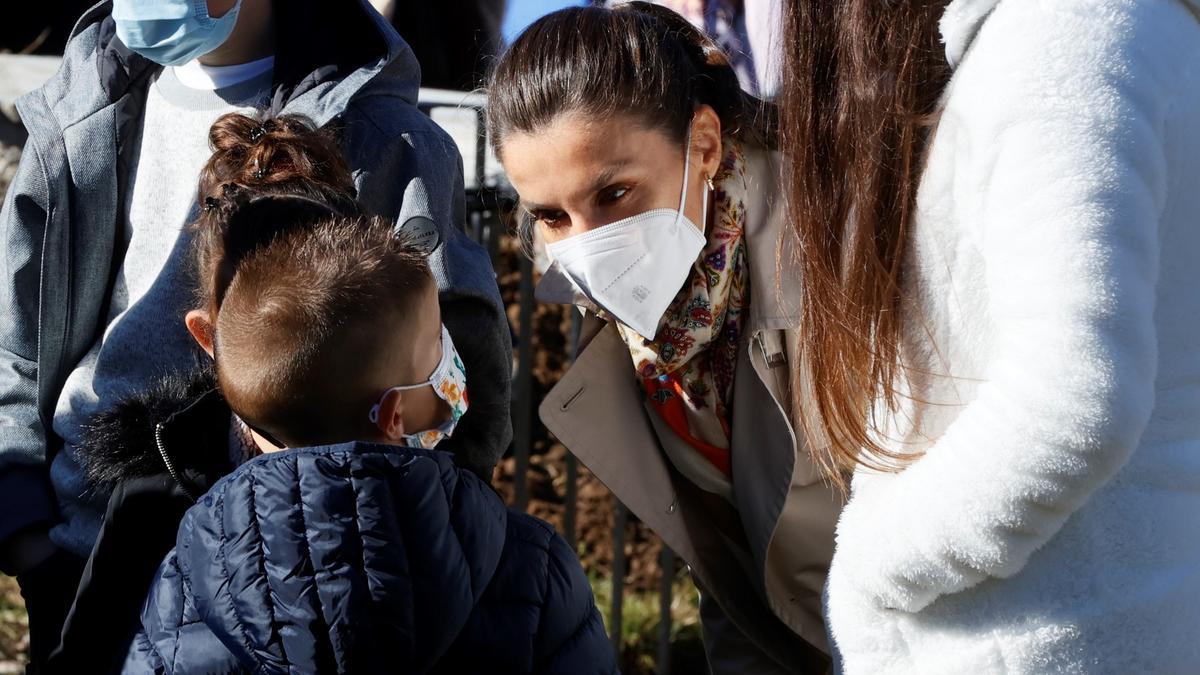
x=145 y=337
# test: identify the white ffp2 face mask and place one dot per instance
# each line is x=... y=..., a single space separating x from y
x=633 y=268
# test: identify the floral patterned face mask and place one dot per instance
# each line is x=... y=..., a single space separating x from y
x=449 y=382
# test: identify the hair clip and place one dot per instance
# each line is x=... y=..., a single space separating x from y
x=261 y=130
x=261 y=173
x=211 y=203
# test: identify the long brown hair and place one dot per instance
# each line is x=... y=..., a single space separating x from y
x=862 y=80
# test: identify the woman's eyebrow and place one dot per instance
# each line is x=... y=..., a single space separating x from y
x=606 y=176
x=532 y=207
x=601 y=181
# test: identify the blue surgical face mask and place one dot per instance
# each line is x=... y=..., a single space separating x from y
x=172 y=32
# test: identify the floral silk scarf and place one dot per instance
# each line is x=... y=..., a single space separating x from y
x=687 y=370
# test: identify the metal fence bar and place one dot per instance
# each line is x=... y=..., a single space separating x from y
x=620 y=517
x=666 y=593
x=493 y=227
x=571 y=498
x=481 y=147
x=489 y=202
x=522 y=404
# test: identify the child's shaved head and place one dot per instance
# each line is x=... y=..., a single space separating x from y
x=310 y=322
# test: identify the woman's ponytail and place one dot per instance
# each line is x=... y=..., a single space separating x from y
x=715 y=82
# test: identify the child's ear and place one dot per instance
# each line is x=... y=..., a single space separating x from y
x=201 y=329
x=391 y=416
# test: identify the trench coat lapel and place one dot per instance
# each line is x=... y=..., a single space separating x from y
x=596 y=411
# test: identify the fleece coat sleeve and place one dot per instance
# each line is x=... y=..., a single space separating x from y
x=1066 y=158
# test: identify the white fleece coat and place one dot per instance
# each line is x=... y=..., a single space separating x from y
x=1053 y=523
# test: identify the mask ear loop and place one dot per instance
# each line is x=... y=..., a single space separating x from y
x=374 y=414
x=687 y=160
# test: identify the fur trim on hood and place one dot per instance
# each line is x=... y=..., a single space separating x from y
x=124 y=442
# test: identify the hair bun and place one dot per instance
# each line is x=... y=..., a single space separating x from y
x=231 y=132
x=284 y=158
x=257 y=153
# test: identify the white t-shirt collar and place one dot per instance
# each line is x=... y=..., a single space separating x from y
x=196 y=75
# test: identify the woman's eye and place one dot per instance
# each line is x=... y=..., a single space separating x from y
x=548 y=218
x=613 y=194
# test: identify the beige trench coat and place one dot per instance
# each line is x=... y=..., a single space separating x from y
x=768 y=578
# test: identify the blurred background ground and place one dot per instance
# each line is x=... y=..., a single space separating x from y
x=14 y=634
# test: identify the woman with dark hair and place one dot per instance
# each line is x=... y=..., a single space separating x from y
x=997 y=205
x=650 y=175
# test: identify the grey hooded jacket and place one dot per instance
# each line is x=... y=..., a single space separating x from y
x=338 y=64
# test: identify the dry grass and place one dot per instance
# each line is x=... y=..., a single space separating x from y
x=14 y=626
x=640 y=623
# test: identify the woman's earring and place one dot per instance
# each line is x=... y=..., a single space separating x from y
x=709 y=180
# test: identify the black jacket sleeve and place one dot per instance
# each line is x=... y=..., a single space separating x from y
x=571 y=638
x=139 y=530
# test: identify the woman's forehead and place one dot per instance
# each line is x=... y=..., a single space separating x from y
x=570 y=154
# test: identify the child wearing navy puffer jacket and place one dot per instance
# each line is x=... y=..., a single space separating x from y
x=350 y=544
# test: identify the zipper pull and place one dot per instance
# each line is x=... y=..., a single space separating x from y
x=159 y=432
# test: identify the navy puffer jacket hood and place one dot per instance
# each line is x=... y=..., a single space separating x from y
x=363 y=558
